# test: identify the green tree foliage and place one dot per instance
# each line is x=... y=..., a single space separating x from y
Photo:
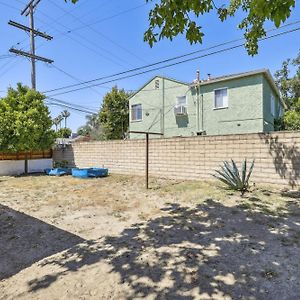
x=92 y=128
x=25 y=123
x=169 y=18
x=288 y=82
x=63 y=133
x=114 y=114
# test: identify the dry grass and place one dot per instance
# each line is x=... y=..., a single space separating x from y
x=110 y=238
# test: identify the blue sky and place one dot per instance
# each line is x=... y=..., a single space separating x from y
x=114 y=43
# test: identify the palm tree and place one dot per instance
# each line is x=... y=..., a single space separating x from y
x=59 y=120
x=56 y=122
x=65 y=114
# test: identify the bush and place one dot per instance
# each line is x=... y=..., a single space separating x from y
x=64 y=133
x=230 y=175
x=292 y=120
x=61 y=164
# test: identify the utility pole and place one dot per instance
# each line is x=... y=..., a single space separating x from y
x=29 y=11
x=32 y=47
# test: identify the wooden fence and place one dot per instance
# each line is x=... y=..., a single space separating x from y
x=26 y=155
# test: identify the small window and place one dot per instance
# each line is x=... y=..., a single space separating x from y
x=221 y=98
x=273 y=105
x=157 y=84
x=181 y=100
x=136 y=112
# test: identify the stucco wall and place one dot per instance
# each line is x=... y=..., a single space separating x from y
x=244 y=112
x=268 y=117
x=16 y=167
x=243 y=115
x=277 y=156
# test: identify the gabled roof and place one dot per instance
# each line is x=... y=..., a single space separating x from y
x=161 y=77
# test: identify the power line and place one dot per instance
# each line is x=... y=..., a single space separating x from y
x=29 y=11
x=72 y=104
x=56 y=102
x=110 y=17
x=158 y=68
x=98 y=32
x=157 y=63
x=95 y=49
x=96 y=46
x=76 y=79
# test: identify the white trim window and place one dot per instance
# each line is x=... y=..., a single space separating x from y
x=181 y=101
x=273 y=105
x=221 y=98
x=136 y=112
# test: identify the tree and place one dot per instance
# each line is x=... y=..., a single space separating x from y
x=288 y=84
x=59 y=119
x=114 y=114
x=288 y=81
x=65 y=114
x=25 y=123
x=92 y=128
x=63 y=133
x=56 y=122
x=169 y=18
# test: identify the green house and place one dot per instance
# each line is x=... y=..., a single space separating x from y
x=233 y=104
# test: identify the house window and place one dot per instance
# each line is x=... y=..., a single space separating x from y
x=136 y=112
x=181 y=101
x=221 y=98
x=273 y=105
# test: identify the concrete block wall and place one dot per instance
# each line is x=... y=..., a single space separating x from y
x=277 y=156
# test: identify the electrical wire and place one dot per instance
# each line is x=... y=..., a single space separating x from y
x=75 y=78
x=98 y=32
x=169 y=59
x=161 y=62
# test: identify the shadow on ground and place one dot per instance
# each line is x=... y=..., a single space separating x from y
x=208 y=251
x=25 y=240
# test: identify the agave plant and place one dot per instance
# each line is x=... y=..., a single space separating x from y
x=230 y=175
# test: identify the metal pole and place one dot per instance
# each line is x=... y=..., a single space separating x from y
x=163 y=106
x=147 y=161
x=32 y=47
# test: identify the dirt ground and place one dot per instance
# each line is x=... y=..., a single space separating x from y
x=109 y=238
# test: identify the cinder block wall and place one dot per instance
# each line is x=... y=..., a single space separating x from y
x=277 y=156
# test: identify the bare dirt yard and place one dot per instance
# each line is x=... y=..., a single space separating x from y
x=66 y=238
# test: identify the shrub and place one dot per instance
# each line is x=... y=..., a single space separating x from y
x=230 y=175
x=61 y=164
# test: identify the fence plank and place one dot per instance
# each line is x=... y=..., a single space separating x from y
x=30 y=154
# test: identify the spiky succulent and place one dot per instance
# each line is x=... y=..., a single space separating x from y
x=230 y=175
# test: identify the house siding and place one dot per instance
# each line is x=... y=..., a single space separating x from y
x=244 y=112
x=268 y=117
x=248 y=107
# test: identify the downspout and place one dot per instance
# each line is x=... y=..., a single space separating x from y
x=202 y=114
x=163 y=108
x=198 y=102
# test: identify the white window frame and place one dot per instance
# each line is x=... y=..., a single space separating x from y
x=136 y=120
x=186 y=101
x=273 y=105
x=214 y=100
